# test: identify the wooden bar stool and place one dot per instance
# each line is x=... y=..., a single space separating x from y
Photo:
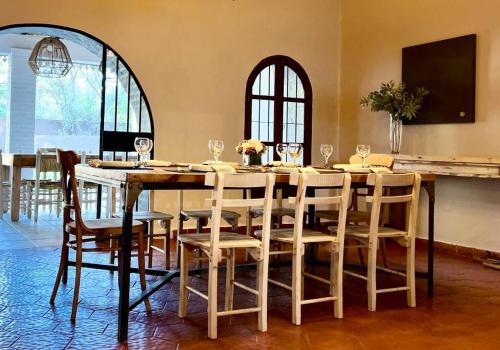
x=212 y=244
x=369 y=235
x=87 y=231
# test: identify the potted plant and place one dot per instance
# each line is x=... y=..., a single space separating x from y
x=399 y=103
x=252 y=151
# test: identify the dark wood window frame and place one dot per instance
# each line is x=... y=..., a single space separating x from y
x=280 y=62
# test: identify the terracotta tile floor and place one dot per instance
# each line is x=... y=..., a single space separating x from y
x=464 y=314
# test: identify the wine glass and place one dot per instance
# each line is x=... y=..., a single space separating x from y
x=295 y=150
x=363 y=151
x=215 y=147
x=143 y=147
x=281 y=150
x=326 y=151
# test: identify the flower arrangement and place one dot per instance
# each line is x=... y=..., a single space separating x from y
x=251 y=147
x=395 y=100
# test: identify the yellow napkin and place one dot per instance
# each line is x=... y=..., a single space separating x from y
x=380 y=170
x=158 y=163
x=220 y=168
x=353 y=168
x=277 y=163
x=283 y=170
x=308 y=170
x=97 y=163
x=212 y=162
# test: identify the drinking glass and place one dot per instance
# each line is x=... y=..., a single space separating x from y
x=363 y=151
x=326 y=151
x=143 y=147
x=215 y=147
x=295 y=150
x=281 y=150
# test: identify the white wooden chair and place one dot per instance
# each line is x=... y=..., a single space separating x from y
x=369 y=235
x=212 y=244
x=298 y=237
x=46 y=185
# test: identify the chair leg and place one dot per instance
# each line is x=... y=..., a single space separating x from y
x=372 y=275
x=112 y=254
x=199 y=229
x=166 y=244
x=263 y=271
x=180 y=229
x=78 y=273
x=212 y=296
x=384 y=251
x=296 y=285
x=249 y=232
x=142 y=269
x=150 y=232
x=65 y=250
x=183 y=295
x=230 y=262
x=303 y=265
x=410 y=273
x=60 y=271
x=337 y=268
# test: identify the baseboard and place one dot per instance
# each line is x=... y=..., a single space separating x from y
x=454 y=249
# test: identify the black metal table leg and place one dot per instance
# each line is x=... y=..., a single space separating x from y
x=430 y=189
x=130 y=193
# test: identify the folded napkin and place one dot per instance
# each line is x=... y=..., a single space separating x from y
x=277 y=163
x=212 y=162
x=308 y=170
x=380 y=170
x=287 y=170
x=352 y=168
x=97 y=163
x=157 y=163
x=220 y=168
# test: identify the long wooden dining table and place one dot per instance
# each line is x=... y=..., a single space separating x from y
x=132 y=182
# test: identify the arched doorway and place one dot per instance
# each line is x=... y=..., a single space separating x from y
x=124 y=112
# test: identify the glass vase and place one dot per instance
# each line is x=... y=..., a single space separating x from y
x=253 y=159
x=395 y=134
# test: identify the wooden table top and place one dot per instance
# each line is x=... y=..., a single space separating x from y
x=22 y=160
x=171 y=175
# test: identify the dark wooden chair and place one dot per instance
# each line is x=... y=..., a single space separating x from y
x=78 y=233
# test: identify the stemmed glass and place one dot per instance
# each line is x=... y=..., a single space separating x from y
x=215 y=147
x=281 y=150
x=295 y=150
x=143 y=147
x=363 y=151
x=326 y=151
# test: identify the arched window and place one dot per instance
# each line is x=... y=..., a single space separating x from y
x=278 y=105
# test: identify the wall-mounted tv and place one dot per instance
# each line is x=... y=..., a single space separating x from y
x=447 y=69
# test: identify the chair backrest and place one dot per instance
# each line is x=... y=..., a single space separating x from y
x=67 y=161
x=46 y=163
x=374 y=159
x=221 y=182
x=303 y=181
x=382 y=184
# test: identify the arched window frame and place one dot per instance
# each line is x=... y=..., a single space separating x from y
x=280 y=62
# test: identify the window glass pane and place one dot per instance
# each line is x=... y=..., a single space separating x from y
x=145 y=117
x=255 y=130
x=300 y=113
x=264 y=111
x=111 y=81
x=291 y=133
x=133 y=108
x=271 y=132
x=292 y=84
x=264 y=82
x=264 y=132
x=268 y=156
x=300 y=133
x=122 y=103
x=255 y=110
x=291 y=112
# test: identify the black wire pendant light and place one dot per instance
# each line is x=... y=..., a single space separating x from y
x=50 y=58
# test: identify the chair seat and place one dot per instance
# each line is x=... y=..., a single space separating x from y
x=285 y=235
x=147 y=216
x=207 y=214
x=226 y=240
x=356 y=216
x=277 y=212
x=112 y=227
x=363 y=232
